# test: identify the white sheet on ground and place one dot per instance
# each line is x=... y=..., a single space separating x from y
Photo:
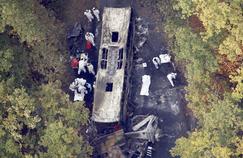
x=164 y=58
x=146 y=80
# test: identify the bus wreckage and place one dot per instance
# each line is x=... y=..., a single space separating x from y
x=112 y=88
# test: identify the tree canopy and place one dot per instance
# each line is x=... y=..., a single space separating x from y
x=37 y=118
x=206 y=38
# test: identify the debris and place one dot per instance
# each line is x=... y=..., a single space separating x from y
x=76 y=31
x=145 y=85
x=139 y=60
x=90 y=37
x=141 y=42
x=110 y=145
x=142 y=30
x=170 y=77
x=141 y=33
x=89 y=15
x=149 y=150
x=144 y=64
x=96 y=13
x=175 y=108
x=145 y=129
x=138 y=19
x=156 y=62
x=74 y=63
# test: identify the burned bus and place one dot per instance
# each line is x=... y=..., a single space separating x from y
x=109 y=86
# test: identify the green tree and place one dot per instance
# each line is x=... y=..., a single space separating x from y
x=238 y=79
x=218 y=135
x=42 y=32
x=218 y=16
x=56 y=105
x=200 y=64
x=63 y=142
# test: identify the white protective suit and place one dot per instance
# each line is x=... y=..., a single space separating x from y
x=156 y=62
x=96 y=13
x=89 y=15
x=90 y=68
x=170 y=77
x=90 y=37
x=78 y=86
x=82 y=63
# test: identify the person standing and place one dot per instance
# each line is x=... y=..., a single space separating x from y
x=96 y=13
x=90 y=37
x=89 y=15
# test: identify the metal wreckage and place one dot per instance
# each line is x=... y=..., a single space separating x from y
x=114 y=131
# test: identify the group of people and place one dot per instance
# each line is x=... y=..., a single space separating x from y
x=80 y=63
x=80 y=87
x=90 y=14
x=157 y=61
x=162 y=59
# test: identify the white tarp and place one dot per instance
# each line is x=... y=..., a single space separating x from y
x=164 y=58
x=146 y=80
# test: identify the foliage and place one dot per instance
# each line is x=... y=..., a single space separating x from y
x=217 y=137
x=42 y=33
x=204 y=52
x=200 y=64
x=34 y=109
x=238 y=79
x=218 y=16
x=56 y=105
x=63 y=142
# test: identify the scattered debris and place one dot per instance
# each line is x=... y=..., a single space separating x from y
x=141 y=31
x=75 y=31
x=137 y=142
x=149 y=150
x=145 y=128
x=145 y=65
x=145 y=85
